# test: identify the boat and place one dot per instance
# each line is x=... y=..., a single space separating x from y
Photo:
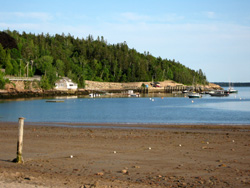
x=219 y=93
x=55 y=101
x=134 y=95
x=231 y=89
x=194 y=95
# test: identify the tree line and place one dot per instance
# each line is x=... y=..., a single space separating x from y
x=55 y=56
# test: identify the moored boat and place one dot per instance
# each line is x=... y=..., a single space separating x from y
x=232 y=90
x=55 y=101
x=219 y=93
x=194 y=95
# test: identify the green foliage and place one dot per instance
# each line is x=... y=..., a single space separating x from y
x=44 y=83
x=8 y=65
x=2 y=80
x=60 y=67
x=2 y=55
x=80 y=59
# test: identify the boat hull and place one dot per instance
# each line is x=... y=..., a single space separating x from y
x=220 y=94
x=194 y=95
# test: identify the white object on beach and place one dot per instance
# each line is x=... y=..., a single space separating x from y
x=232 y=140
x=149 y=148
x=71 y=156
x=180 y=145
x=114 y=151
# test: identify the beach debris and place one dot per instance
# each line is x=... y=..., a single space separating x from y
x=149 y=148
x=136 y=166
x=205 y=147
x=114 y=152
x=180 y=145
x=207 y=142
x=71 y=156
x=222 y=165
x=124 y=171
x=27 y=178
x=220 y=161
x=233 y=141
x=99 y=173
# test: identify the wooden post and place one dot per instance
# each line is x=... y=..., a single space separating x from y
x=19 y=158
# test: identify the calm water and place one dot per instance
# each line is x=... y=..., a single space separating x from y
x=234 y=109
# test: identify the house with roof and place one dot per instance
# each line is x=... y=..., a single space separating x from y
x=65 y=84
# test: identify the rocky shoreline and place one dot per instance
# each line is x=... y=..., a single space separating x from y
x=25 y=90
x=42 y=93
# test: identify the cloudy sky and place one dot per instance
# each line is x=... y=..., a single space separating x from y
x=212 y=35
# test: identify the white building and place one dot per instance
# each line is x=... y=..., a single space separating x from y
x=65 y=84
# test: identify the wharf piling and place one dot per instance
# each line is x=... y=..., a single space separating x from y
x=19 y=158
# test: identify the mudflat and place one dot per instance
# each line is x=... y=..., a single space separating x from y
x=82 y=155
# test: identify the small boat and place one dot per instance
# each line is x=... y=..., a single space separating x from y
x=194 y=95
x=134 y=95
x=219 y=93
x=232 y=90
x=55 y=101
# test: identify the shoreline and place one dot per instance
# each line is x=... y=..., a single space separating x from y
x=127 y=126
x=184 y=156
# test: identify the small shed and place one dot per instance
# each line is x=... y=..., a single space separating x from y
x=65 y=84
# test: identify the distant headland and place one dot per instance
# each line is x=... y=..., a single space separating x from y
x=235 y=84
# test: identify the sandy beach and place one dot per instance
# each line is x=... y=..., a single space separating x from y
x=128 y=156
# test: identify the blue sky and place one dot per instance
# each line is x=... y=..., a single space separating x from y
x=212 y=35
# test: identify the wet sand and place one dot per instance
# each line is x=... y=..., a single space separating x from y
x=85 y=155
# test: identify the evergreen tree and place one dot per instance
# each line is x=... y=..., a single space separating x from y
x=89 y=59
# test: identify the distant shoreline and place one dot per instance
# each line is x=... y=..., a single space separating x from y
x=235 y=84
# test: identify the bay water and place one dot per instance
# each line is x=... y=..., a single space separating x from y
x=150 y=109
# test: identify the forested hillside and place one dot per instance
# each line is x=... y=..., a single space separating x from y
x=54 y=56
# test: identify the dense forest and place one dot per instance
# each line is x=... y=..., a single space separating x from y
x=55 y=56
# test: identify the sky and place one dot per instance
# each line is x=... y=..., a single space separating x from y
x=211 y=35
